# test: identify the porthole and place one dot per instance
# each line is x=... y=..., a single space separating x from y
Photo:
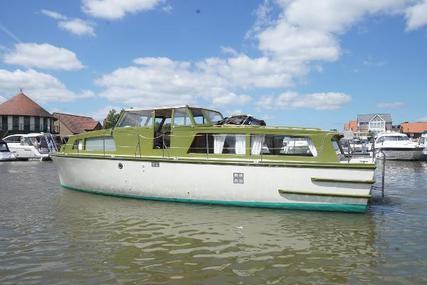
x=120 y=165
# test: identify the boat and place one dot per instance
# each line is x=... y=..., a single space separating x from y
x=31 y=146
x=423 y=143
x=5 y=154
x=397 y=146
x=188 y=154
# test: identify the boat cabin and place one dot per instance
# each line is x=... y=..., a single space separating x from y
x=163 y=120
x=186 y=132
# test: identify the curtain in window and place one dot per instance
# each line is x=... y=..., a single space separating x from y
x=240 y=144
x=312 y=148
x=257 y=142
x=219 y=143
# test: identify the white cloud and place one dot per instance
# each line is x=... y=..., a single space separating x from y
x=102 y=113
x=42 y=87
x=390 y=105
x=291 y=43
x=161 y=80
x=73 y=25
x=78 y=27
x=116 y=9
x=43 y=56
x=2 y=99
x=53 y=14
x=308 y=30
x=416 y=16
x=316 y=101
x=230 y=99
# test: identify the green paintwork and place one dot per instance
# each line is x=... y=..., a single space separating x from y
x=137 y=143
x=316 y=179
x=331 y=207
x=322 y=194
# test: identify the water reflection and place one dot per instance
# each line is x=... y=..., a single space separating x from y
x=157 y=242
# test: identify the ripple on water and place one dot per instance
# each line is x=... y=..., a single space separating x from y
x=54 y=236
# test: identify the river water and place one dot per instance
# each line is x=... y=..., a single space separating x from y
x=49 y=235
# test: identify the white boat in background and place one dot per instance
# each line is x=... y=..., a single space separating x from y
x=31 y=146
x=423 y=143
x=397 y=146
x=5 y=154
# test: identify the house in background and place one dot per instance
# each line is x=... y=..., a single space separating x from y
x=22 y=115
x=413 y=129
x=373 y=123
x=351 y=126
x=68 y=124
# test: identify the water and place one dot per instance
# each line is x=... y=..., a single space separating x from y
x=49 y=235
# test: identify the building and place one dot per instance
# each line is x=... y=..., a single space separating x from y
x=374 y=123
x=351 y=126
x=68 y=124
x=20 y=114
x=413 y=129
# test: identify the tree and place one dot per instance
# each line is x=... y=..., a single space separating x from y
x=111 y=119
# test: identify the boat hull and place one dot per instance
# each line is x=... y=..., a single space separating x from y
x=403 y=153
x=253 y=185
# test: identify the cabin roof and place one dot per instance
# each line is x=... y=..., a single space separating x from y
x=167 y=108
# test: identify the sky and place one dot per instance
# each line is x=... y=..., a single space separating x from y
x=290 y=62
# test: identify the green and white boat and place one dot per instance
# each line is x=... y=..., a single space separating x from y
x=183 y=154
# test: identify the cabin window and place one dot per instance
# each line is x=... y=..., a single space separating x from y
x=13 y=139
x=198 y=116
x=338 y=149
x=219 y=144
x=213 y=116
x=100 y=144
x=78 y=144
x=162 y=129
x=181 y=118
x=3 y=147
x=136 y=119
x=282 y=145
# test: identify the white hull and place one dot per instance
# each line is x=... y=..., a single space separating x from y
x=262 y=186
x=7 y=156
x=27 y=152
x=403 y=153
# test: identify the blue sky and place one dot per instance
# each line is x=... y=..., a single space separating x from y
x=291 y=62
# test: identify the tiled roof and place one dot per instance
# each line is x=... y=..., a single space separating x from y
x=77 y=124
x=415 y=127
x=367 y=117
x=22 y=105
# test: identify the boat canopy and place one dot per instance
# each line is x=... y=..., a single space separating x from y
x=179 y=115
x=3 y=146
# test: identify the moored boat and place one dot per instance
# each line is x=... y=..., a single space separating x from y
x=423 y=143
x=31 y=146
x=397 y=146
x=183 y=154
x=5 y=154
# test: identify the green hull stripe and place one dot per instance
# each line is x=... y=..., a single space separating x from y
x=323 y=194
x=357 y=208
x=316 y=179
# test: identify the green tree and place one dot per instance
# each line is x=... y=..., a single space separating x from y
x=111 y=119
